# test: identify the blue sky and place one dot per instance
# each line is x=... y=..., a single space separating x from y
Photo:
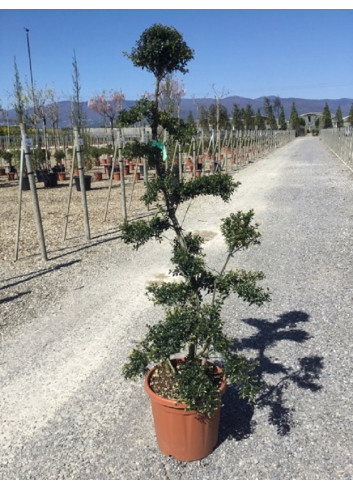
x=250 y=53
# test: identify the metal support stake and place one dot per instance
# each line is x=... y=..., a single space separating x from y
x=82 y=183
x=122 y=179
x=180 y=162
x=194 y=156
x=111 y=179
x=70 y=192
x=19 y=204
x=32 y=185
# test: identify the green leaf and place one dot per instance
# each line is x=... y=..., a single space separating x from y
x=139 y=232
x=239 y=232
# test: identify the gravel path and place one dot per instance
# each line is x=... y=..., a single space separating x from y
x=66 y=412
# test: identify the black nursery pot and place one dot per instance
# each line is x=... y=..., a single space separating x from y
x=87 y=183
x=25 y=183
x=49 y=179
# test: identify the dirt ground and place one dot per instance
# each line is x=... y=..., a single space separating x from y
x=53 y=204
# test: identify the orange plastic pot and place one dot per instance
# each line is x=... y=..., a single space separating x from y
x=182 y=434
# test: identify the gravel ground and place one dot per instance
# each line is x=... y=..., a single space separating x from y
x=69 y=323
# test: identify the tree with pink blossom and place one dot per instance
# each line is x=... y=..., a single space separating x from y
x=109 y=106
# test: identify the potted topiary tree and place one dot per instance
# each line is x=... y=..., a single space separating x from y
x=7 y=156
x=4 y=156
x=59 y=168
x=187 y=357
x=95 y=153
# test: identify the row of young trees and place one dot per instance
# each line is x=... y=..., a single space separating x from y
x=217 y=116
x=273 y=117
x=322 y=122
x=41 y=108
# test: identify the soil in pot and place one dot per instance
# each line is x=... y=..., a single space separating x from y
x=182 y=434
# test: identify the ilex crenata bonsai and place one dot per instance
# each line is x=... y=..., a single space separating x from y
x=192 y=327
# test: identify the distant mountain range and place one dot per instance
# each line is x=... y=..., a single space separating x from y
x=188 y=105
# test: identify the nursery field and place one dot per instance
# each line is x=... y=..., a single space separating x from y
x=104 y=200
x=68 y=325
x=53 y=204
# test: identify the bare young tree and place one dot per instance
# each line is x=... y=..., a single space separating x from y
x=171 y=92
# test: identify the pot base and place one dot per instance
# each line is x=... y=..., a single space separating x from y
x=182 y=434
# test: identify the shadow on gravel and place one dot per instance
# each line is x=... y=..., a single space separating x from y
x=13 y=297
x=236 y=417
x=237 y=422
x=20 y=279
x=103 y=237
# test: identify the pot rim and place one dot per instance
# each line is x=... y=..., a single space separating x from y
x=173 y=402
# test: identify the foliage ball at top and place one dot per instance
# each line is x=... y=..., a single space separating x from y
x=161 y=50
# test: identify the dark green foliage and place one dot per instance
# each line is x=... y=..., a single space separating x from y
x=259 y=121
x=237 y=117
x=248 y=118
x=161 y=50
x=244 y=284
x=282 y=125
x=193 y=320
x=59 y=155
x=326 y=119
x=170 y=294
x=180 y=130
x=6 y=155
x=339 y=118
x=221 y=114
x=39 y=157
x=238 y=231
x=139 y=232
x=294 y=118
x=268 y=109
x=192 y=326
x=143 y=110
x=218 y=185
x=241 y=371
x=196 y=384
